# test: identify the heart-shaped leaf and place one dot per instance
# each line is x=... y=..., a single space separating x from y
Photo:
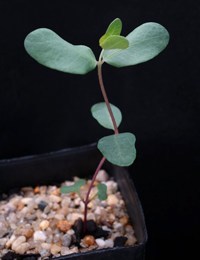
x=145 y=42
x=100 y=113
x=114 y=28
x=49 y=49
x=118 y=149
x=73 y=188
x=115 y=42
x=102 y=191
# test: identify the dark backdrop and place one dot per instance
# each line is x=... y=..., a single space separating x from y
x=43 y=110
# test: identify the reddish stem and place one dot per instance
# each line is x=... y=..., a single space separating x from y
x=88 y=192
x=99 y=66
x=87 y=200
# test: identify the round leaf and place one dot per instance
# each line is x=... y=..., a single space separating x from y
x=115 y=42
x=73 y=188
x=100 y=113
x=102 y=191
x=118 y=149
x=49 y=49
x=145 y=42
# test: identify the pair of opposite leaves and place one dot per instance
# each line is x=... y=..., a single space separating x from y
x=142 y=44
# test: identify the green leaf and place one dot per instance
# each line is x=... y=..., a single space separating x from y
x=115 y=42
x=145 y=42
x=73 y=188
x=114 y=28
x=49 y=49
x=100 y=113
x=102 y=191
x=118 y=149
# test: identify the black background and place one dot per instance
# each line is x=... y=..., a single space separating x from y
x=43 y=110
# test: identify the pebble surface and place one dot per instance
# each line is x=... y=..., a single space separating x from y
x=40 y=220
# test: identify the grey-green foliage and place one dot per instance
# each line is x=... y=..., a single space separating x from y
x=73 y=188
x=118 y=149
x=142 y=44
x=145 y=42
x=102 y=191
x=101 y=187
x=100 y=113
x=49 y=49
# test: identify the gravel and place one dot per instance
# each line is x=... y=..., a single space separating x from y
x=40 y=220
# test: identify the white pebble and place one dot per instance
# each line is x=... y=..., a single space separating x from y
x=65 y=202
x=98 y=210
x=51 y=214
x=26 y=201
x=106 y=228
x=73 y=250
x=54 y=198
x=109 y=243
x=47 y=209
x=22 y=248
x=55 y=249
x=102 y=176
x=41 y=198
x=77 y=201
x=131 y=240
x=15 y=200
x=111 y=187
x=3 y=230
x=3 y=242
x=44 y=224
x=72 y=217
x=64 y=250
x=66 y=240
x=46 y=246
x=44 y=253
x=118 y=227
x=70 y=232
x=17 y=242
x=111 y=217
x=115 y=234
x=12 y=217
x=104 y=243
x=55 y=206
x=129 y=230
x=56 y=238
x=112 y=200
x=100 y=242
x=91 y=216
x=10 y=241
x=39 y=236
x=59 y=216
x=24 y=211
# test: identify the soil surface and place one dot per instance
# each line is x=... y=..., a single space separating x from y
x=43 y=222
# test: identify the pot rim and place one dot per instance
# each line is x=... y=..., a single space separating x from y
x=51 y=154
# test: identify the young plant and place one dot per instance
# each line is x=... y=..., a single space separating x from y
x=142 y=44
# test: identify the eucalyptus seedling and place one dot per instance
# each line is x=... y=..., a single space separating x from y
x=142 y=44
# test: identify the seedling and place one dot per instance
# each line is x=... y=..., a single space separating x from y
x=142 y=44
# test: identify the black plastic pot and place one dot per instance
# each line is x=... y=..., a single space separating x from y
x=55 y=167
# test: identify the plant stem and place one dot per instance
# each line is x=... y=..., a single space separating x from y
x=100 y=77
x=87 y=200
